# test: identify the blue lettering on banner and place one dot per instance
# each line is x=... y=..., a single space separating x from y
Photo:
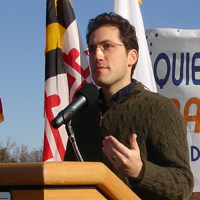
x=161 y=82
x=195 y=69
x=195 y=149
x=184 y=61
x=187 y=67
x=177 y=82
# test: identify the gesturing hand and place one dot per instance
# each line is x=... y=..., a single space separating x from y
x=126 y=161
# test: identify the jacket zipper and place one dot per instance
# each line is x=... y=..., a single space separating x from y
x=100 y=120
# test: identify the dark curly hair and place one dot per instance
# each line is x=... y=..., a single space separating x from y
x=127 y=31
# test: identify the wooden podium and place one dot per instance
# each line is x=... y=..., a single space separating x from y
x=62 y=180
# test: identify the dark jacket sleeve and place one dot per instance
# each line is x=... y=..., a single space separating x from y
x=169 y=176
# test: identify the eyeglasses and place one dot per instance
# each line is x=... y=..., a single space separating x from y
x=105 y=47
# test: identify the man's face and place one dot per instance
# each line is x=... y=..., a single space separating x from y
x=112 y=66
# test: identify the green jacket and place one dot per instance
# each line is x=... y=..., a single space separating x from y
x=161 y=136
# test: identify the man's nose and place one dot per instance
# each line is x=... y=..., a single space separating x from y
x=99 y=55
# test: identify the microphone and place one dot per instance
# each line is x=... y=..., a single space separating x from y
x=85 y=97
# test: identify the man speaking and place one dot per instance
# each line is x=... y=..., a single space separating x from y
x=139 y=135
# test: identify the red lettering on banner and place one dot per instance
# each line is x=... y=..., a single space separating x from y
x=186 y=116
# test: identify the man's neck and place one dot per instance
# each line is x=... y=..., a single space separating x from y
x=110 y=91
x=107 y=95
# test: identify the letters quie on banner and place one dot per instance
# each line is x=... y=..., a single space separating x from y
x=175 y=56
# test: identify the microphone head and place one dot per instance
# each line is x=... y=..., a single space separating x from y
x=90 y=92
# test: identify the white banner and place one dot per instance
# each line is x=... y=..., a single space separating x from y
x=175 y=56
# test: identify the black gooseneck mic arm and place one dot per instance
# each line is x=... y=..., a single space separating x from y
x=72 y=139
x=85 y=97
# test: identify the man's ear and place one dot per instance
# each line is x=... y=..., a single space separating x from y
x=132 y=56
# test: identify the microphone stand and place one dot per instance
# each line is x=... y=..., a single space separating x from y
x=72 y=139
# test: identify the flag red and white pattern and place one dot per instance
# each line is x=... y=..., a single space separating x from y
x=130 y=10
x=66 y=70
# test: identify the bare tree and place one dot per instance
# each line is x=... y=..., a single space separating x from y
x=36 y=155
x=12 y=153
x=5 y=152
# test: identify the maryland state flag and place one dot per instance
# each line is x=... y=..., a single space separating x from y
x=66 y=70
x=1 y=112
